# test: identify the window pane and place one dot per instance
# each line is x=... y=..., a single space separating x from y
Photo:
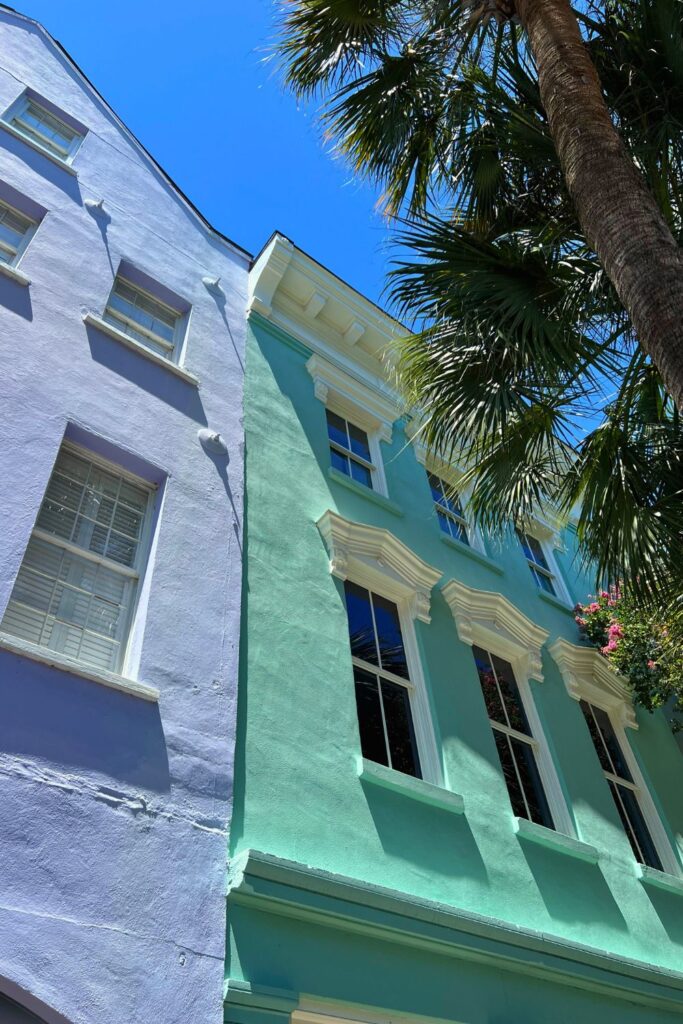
x=399 y=721
x=634 y=825
x=531 y=783
x=361 y=473
x=436 y=488
x=336 y=429
x=444 y=522
x=543 y=581
x=359 y=442
x=372 y=742
x=489 y=686
x=596 y=736
x=361 y=630
x=509 y=774
x=340 y=462
x=614 y=750
x=390 y=640
x=511 y=696
x=459 y=532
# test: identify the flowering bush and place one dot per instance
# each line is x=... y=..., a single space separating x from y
x=637 y=644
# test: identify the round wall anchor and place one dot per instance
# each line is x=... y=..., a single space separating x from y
x=211 y=441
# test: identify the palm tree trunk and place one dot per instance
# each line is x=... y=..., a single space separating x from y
x=615 y=208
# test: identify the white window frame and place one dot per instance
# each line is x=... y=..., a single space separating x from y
x=371 y=466
x=588 y=676
x=549 y=540
x=375 y=559
x=174 y=348
x=26 y=237
x=486 y=619
x=20 y=107
x=136 y=572
x=361 y=405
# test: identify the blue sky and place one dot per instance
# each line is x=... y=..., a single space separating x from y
x=189 y=80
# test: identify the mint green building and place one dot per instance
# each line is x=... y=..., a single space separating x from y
x=446 y=808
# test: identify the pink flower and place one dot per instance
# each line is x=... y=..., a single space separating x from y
x=611 y=646
x=603 y=593
x=579 y=621
x=615 y=631
x=594 y=606
x=651 y=664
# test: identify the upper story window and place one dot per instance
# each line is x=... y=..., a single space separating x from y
x=624 y=790
x=144 y=317
x=77 y=584
x=37 y=123
x=15 y=233
x=382 y=681
x=349 y=449
x=538 y=562
x=518 y=749
x=448 y=509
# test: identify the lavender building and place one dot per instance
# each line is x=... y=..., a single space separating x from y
x=122 y=330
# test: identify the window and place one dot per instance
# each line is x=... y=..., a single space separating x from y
x=77 y=583
x=448 y=509
x=15 y=233
x=621 y=784
x=382 y=682
x=37 y=123
x=143 y=317
x=517 y=748
x=538 y=563
x=349 y=449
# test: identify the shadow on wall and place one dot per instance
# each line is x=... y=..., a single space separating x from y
x=17 y=1006
x=670 y=912
x=75 y=724
x=16 y=298
x=156 y=380
x=433 y=839
x=43 y=166
x=572 y=890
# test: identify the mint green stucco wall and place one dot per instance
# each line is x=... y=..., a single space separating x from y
x=298 y=795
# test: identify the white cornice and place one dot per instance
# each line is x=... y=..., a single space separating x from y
x=351 y=397
x=488 y=619
x=267 y=273
x=375 y=557
x=589 y=676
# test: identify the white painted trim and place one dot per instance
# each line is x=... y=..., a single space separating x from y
x=419 y=789
x=136 y=346
x=547 y=535
x=14 y=274
x=76 y=668
x=551 y=839
x=589 y=676
x=375 y=559
x=267 y=273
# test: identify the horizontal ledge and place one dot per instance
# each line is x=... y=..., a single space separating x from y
x=64 y=664
x=661 y=879
x=470 y=552
x=553 y=840
x=556 y=602
x=38 y=148
x=364 y=492
x=380 y=775
x=125 y=339
x=14 y=274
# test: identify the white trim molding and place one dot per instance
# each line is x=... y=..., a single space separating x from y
x=376 y=558
x=352 y=399
x=487 y=619
x=589 y=676
x=267 y=273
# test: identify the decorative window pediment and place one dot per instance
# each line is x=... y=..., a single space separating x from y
x=588 y=676
x=376 y=558
x=489 y=620
x=352 y=399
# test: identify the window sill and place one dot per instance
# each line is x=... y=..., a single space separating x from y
x=470 y=552
x=660 y=879
x=548 y=837
x=38 y=148
x=380 y=775
x=14 y=274
x=556 y=602
x=366 y=492
x=113 y=332
x=64 y=664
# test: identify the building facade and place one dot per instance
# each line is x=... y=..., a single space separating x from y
x=446 y=807
x=122 y=333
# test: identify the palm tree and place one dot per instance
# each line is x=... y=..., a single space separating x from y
x=391 y=73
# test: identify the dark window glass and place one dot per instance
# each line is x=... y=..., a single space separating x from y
x=634 y=825
x=390 y=640
x=339 y=461
x=533 y=552
x=445 y=498
x=372 y=741
x=543 y=581
x=531 y=783
x=402 y=746
x=361 y=629
x=361 y=473
x=611 y=742
x=510 y=775
x=359 y=442
x=489 y=686
x=336 y=429
x=511 y=696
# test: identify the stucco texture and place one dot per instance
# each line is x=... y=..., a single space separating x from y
x=114 y=810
